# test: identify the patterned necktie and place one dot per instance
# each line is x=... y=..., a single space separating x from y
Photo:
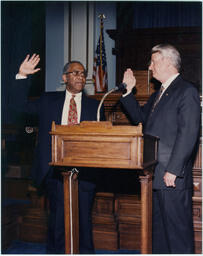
x=157 y=98
x=72 y=114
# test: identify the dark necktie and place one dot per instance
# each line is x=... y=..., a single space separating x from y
x=157 y=98
x=72 y=114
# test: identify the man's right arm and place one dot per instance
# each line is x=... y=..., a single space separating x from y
x=28 y=66
x=19 y=94
x=135 y=111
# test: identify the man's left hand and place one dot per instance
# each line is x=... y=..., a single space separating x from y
x=169 y=179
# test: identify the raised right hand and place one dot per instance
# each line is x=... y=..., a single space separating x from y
x=129 y=79
x=28 y=65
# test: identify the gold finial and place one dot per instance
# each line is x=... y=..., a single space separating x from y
x=102 y=16
x=53 y=126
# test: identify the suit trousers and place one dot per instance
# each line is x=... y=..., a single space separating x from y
x=56 y=232
x=172 y=222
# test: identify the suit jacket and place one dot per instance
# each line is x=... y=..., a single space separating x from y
x=176 y=121
x=49 y=108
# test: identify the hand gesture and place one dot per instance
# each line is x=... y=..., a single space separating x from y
x=28 y=65
x=129 y=79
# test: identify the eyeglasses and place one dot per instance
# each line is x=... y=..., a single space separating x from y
x=77 y=73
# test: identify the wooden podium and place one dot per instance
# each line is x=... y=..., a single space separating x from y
x=102 y=145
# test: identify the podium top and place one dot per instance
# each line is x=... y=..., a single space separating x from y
x=102 y=145
x=94 y=128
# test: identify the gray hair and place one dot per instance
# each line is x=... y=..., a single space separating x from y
x=167 y=50
x=67 y=65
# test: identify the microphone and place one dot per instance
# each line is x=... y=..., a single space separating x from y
x=120 y=87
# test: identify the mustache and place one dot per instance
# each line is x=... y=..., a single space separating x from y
x=63 y=83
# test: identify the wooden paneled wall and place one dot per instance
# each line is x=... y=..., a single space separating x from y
x=133 y=47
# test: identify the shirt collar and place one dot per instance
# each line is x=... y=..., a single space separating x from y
x=77 y=95
x=169 y=81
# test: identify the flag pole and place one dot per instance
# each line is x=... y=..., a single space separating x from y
x=101 y=16
x=99 y=75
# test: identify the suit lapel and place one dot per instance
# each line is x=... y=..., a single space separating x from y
x=167 y=94
x=84 y=108
x=58 y=108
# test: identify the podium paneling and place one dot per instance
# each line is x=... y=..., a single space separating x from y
x=102 y=145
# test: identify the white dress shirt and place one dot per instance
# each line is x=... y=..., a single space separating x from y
x=78 y=99
x=18 y=77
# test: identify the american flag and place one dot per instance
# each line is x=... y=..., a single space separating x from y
x=100 y=66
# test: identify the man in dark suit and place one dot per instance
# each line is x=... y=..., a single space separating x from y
x=56 y=106
x=173 y=115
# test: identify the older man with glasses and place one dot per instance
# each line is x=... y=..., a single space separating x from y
x=173 y=115
x=67 y=108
